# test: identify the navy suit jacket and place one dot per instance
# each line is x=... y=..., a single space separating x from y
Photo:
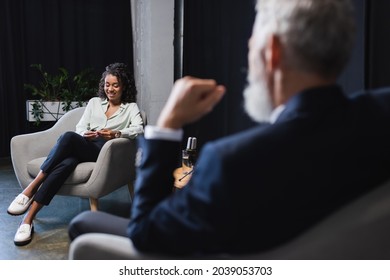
x=261 y=187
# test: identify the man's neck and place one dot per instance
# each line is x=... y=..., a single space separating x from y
x=296 y=82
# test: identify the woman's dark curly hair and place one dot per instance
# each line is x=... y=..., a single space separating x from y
x=120 y=70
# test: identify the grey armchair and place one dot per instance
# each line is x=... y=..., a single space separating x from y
x=113 y=169
x=358 y=231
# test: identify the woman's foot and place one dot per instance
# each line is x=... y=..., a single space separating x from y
x=24 y=234
x=19 y=205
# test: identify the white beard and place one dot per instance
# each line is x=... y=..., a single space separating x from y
x=258 y=104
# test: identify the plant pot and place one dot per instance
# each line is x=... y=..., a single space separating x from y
x=48 y=110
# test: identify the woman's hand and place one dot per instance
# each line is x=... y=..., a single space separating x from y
x=89 y=135
x=106 y=134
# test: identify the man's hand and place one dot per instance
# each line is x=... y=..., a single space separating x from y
x=190 y=99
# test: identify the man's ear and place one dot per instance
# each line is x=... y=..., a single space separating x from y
x=273 y=51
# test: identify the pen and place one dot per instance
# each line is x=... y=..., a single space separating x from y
x=185 y=175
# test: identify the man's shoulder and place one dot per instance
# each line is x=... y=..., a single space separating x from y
x=260 y=136
x=377 y=97
x=375 y=91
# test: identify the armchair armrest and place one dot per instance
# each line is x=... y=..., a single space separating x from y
x=102 y=246
x=26 y=147
x=114 y=167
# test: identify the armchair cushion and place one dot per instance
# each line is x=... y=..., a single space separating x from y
x=81 y=174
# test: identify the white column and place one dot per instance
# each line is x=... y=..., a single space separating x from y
x=153 y=34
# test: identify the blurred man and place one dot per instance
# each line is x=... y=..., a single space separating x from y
x=261 y=188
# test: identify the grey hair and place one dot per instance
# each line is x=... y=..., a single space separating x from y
x=317 y=35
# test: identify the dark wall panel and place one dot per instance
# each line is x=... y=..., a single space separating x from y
x=75 y=34
x=378 y=43
x=216 y=34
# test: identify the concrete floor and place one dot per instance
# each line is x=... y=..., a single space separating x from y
x=50 y=240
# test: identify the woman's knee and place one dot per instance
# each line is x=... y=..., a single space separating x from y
x=69 y=164
x=69 y=137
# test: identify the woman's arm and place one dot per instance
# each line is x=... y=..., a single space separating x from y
x=134 y=125
x=84 y=123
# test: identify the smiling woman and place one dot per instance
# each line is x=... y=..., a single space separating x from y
x=113 y=114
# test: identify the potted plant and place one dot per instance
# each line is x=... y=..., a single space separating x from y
x=58 y=93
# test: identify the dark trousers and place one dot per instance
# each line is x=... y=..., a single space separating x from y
x=97 y=222
x=70 y=149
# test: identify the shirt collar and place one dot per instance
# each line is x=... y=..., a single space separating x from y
x=105 y=103
x=276 y=113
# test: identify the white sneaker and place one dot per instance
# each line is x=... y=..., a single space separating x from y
x=19 y=205
x=24 y=234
